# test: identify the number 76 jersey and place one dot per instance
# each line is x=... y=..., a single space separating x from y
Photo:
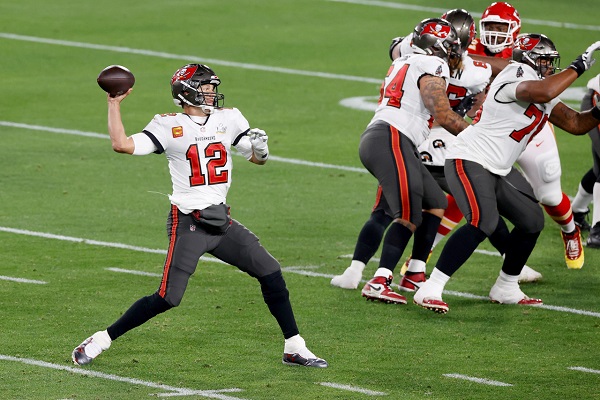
x=400 y=103
x=199 y=154
x=505 y=125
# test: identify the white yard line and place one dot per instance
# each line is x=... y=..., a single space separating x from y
x=476 y=14
x=352 y=389
x=477 y=380
x=21 y=280
x=583 y=369
x=188 y=58
x=177 y=391
x=300 y=270
x=18 y=125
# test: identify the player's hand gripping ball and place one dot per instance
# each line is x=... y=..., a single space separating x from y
x=115 y=80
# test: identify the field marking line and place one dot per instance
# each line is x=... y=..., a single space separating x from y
x=583 y=369
x=294 y=161
x=352 y=389
x=477 y=380
x=21 y=280
x=300 y=270
x=180 y=391
x=434 y=10
x=188 y=58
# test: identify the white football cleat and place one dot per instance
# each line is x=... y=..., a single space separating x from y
x=91 y=348
x=529 y=275
x=504 y=295
x=349 y=279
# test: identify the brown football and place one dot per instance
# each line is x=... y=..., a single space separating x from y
x=116 y=80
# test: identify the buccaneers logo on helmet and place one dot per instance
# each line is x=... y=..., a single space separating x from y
x=437 y=30
x=527 y=43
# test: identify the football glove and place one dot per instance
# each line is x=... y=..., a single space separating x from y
x=585 y=60
x=259 y=139
x=465 y=105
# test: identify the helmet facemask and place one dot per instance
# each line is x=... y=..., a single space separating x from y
x=495 y=40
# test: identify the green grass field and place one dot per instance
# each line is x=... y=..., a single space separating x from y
x=74 y=213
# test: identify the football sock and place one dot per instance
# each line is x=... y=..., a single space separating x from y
x=520 y=246
x=596 y=212
x=562 y=214
x=277 y=298
x=141 y=311
x=582 y=199
x=452 y=216
x=461 y=244
x=394 y=244
x=424 y=237
x=370 y=236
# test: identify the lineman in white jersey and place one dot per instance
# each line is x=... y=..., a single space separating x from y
x=197 y=144
x=479 y=165
x=412 y=95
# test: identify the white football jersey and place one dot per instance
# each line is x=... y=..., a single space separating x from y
x=470 y=80
x=199 y=154
x=505 y=125
x=400 y=103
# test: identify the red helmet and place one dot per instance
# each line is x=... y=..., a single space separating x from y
x=499 y=13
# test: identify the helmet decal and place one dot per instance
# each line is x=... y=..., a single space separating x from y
x=436 y=29
x=184 y=73
x=527 y=43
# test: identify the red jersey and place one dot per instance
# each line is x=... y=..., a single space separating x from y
x=476 y=48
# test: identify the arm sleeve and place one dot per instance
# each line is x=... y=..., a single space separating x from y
x=143 y=144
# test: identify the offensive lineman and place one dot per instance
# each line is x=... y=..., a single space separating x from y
x=412 y=94
x=197 y=144
x=479 y=165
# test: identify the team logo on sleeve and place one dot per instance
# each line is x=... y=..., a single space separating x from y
x=177 y=131
x=519 y=72
x=436 y=29
x=438 y=71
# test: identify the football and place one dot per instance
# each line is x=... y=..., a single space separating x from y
x=115 y=80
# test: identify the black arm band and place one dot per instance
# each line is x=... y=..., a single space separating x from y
x=596 y=113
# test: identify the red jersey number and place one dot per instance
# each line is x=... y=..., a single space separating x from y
x=217 y=155
x=393 y=91
x=539 y=119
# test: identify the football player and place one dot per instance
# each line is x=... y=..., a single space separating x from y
x=480 y=172
x=412 y=95
x=499 y=26
x=197 y=143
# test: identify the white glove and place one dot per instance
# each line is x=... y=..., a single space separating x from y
x=259 y=139
x=588 y=54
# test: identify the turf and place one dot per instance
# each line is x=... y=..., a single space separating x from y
x=68 y=202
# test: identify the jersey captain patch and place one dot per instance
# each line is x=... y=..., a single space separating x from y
x=177 y=131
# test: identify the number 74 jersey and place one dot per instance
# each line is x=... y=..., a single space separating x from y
x=199 y=154
x=400 y=103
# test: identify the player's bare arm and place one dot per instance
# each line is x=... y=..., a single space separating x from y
x=543 y=91
x=574 y=122
x=120 y=142
x=433 y=93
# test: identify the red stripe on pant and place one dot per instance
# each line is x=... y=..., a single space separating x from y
x=402 y=178
x=471 y=198
x=162 y=291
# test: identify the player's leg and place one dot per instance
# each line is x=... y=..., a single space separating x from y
x=540 y=163
x=582 y=199
x=242 y=249
x=474 y=190
x=393 y=160
x=368 y=242
x=516 y=201
x=185 y=248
